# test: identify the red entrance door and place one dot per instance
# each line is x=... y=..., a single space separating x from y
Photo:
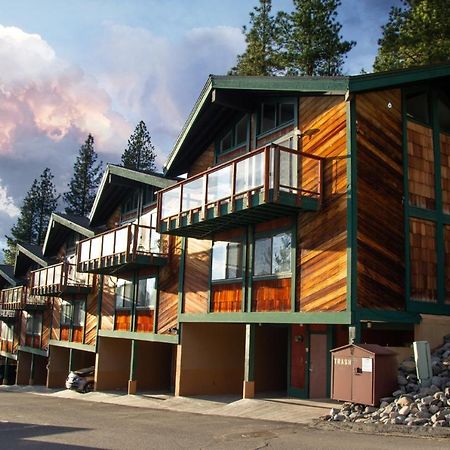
x=318 y=366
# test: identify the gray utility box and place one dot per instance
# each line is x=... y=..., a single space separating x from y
x=363 y=373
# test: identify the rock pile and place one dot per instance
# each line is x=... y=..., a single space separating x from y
x=411 y=404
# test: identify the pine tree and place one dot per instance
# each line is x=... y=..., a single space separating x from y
x=417 y=33
x=311 y=39
x=39 y=203
x=262 y=56
x=85 y=180
x=140 y=153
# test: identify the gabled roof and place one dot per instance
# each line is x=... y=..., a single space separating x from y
x=116 y=183
x=7 y=274
x=224 y=93
x=27 y=254
x=59 y=227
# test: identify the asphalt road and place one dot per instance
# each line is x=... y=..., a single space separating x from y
x=40 y=422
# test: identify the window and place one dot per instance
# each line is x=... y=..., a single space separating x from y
x=78 y=314
x=124 y=294
x=66 y=313
x=147 y=293
x=131 y=203
x=34 y=324
x=7 y=332
x=273 y=255
x=236 y=136
x=418 y=107
x=275 y=114
x=226 y=260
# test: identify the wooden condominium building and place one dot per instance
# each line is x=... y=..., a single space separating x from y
x=315 y=211
x=295 y=215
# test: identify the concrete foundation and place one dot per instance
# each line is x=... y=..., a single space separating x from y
x=432 y=329
x=210 y=359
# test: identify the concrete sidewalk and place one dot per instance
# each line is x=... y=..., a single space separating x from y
x=275 y=409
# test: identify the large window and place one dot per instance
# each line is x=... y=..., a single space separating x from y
x=273 y=255
x=79 y=313
x=147 y=293
x=34 y=324
x=226 y=260
x=7 y=332
x=276 y=113
x=124 y=294
x=236 y=136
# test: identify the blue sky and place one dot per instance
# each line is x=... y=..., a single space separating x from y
x=70 y=68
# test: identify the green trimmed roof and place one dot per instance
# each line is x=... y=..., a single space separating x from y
x=27 y=255
x=221 y=94
x=116 y=183
x=59 y=228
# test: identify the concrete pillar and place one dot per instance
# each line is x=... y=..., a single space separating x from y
x=6 y=372
x=249 y=364
x=32 y=370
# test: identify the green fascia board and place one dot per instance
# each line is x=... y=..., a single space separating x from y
x=6 y=272
x=428 y=308
x=398 y=77
x=8 y=355
x=34 y=351
x=149 y=337
x=378 y=315
x=343 y=317
x=73 y=345
x=55 y=218
x=31 y=255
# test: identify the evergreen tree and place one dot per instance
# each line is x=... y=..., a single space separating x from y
x=262 y=56
x=140 y=153
x=417 y=33
x=85 y=180
x=311 y=39
x=39 y=203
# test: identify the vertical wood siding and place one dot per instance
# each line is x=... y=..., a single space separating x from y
x=226 y=297
x=196 y=276
x=322 y=236
x=445 y=172
x=421 y=166
x=380 y=233
x=423 y=260
x=167 y=317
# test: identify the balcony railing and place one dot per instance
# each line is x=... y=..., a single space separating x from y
x=272 y=181
x=59 y=279
x=20 y=298
x=7 y=314
x=121 y=248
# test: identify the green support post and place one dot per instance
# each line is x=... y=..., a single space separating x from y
x=134 y=301
x=31 y=380
x=249 y=363
x=71 y=358
x=132 y=382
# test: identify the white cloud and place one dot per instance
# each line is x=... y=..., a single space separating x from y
x=43 y=96
x=7 y=205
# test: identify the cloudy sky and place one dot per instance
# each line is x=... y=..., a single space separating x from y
x=73 y=67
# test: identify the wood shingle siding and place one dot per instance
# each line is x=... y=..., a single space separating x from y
x=271 y=295
x=380 y=220
x=445 y=172
x=226 y=297
x=322 y=236
x=421 y=166
x=423 y=260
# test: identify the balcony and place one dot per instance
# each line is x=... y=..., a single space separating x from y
x=267 y=183
x=19 y=298
x=59 y=280
x=8 y=315
x=122 y=249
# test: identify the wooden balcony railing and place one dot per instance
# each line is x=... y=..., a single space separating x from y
x=58 y=279
x=272 y=178
x=20 y=298
x=7 y=314
x=128 y=244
